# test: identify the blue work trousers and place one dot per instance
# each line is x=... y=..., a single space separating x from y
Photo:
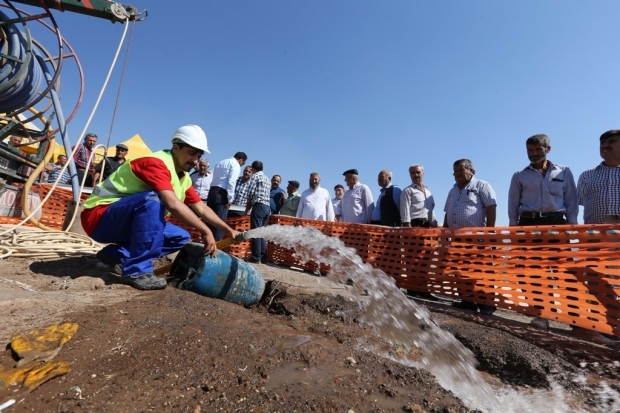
x=259 y=218
x=217 y=201
x=138 y=232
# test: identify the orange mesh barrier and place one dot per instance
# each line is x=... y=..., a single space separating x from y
x=569 y=273
x=54 y=210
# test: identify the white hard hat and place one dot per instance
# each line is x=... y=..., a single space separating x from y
x=193 y=135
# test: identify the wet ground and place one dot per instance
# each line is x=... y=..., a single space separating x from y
x=300 y=350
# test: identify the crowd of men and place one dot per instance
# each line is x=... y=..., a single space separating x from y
x=543 y=193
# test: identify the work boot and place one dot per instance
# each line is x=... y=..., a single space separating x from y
x=113 y=265
x=146 y=281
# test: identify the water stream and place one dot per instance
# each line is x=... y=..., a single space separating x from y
x=401 y=322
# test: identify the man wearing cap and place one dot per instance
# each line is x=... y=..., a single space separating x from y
x=201 y=179
x=222 y=191
x=315 y=202
x=543 y=193
x=292 y=201
x=128 y=210
x=111 y=163
x=357 y=202
x=387 y=207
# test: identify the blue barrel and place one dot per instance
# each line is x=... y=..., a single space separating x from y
x=224 y=277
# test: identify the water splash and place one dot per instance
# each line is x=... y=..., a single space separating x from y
x=401 y=322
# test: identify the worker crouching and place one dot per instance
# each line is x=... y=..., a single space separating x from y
x=128 y=210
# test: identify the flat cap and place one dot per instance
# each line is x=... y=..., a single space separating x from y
x=350 y=171
x=294 y=183
x=122 y=146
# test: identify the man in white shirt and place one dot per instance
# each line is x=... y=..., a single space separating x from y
x=222 y=191
x=417 y=204
x=357 y=202
x=201 y=179
x=338 y=192
x=315 y=202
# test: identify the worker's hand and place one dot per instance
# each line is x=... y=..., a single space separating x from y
x=230 y=233
x=283 y=195
x=209 y=243
x=228 y=205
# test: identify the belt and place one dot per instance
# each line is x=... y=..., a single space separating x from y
x=616 y=216
x=81 y=169
x=420 y=223
x=533 y=214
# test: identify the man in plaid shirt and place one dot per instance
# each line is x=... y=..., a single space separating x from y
x=242 y=187
x=598 y=189
x=81 y=158
x=258 y=202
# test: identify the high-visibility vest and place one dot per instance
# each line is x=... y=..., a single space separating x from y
x=123 y=182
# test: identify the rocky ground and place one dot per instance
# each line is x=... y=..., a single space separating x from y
x=301 y=349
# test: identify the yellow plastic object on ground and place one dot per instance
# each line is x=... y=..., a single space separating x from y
x=35 y=350
x=42 y=344
x=35 y=373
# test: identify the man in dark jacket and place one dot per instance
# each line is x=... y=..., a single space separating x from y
x=386 y=211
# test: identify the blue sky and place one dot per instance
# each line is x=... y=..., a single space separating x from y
x=330 y=85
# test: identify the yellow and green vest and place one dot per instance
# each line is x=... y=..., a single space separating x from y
x=123 y=182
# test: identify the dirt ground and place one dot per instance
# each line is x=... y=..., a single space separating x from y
x=301 y=349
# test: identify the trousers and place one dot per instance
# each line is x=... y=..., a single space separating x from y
x=259 y=217
x=217 y=201
x=136 y=228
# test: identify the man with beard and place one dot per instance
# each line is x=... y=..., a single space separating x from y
x=277 y=196
x=315 y=202
x=543 y=193
x=128 y=210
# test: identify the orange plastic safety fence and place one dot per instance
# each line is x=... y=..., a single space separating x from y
x=54 y=210
x=566 y=273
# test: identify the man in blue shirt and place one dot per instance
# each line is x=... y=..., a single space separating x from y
x=277 y=196
x=386 y=211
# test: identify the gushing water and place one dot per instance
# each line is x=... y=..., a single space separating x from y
x=401 y=322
